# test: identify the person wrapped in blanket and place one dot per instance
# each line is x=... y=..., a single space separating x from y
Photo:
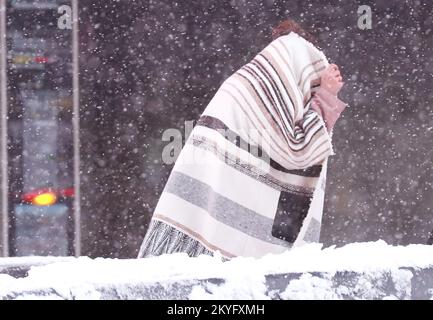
x=165 y=238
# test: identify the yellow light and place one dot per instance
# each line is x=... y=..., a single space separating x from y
x=21 y=59
x=45 y=199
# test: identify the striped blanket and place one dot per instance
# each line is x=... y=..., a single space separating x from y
x=250 y=179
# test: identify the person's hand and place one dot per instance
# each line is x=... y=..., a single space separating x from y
x=331 y=79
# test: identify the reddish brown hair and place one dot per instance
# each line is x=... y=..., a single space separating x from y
x=289 y=25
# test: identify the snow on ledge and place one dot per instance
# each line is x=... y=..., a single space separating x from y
x=372 y=270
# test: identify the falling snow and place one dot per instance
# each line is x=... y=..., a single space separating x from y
x=147 y=66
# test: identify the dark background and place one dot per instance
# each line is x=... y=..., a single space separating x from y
x=151 y=65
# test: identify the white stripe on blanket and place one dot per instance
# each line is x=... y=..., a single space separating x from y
x=241 y=187
x=198 y=220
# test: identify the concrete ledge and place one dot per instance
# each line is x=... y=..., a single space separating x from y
x=399 y=275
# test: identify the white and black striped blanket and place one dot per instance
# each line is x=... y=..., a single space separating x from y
x=250 y=179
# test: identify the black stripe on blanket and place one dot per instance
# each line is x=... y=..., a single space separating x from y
x=252 y=171
x=274 y=85
x=291 y=212
x=218 y=125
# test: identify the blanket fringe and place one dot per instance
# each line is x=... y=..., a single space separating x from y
x=162 y=238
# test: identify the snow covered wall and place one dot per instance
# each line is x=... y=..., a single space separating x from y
x=357 y=271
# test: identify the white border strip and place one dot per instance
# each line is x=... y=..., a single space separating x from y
x=76 y=128
x=3 y=135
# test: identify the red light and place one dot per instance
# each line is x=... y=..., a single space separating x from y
x=41 y=59
x=40 y=197
x=67 y=193
x=29 y=196
x=62 y=193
